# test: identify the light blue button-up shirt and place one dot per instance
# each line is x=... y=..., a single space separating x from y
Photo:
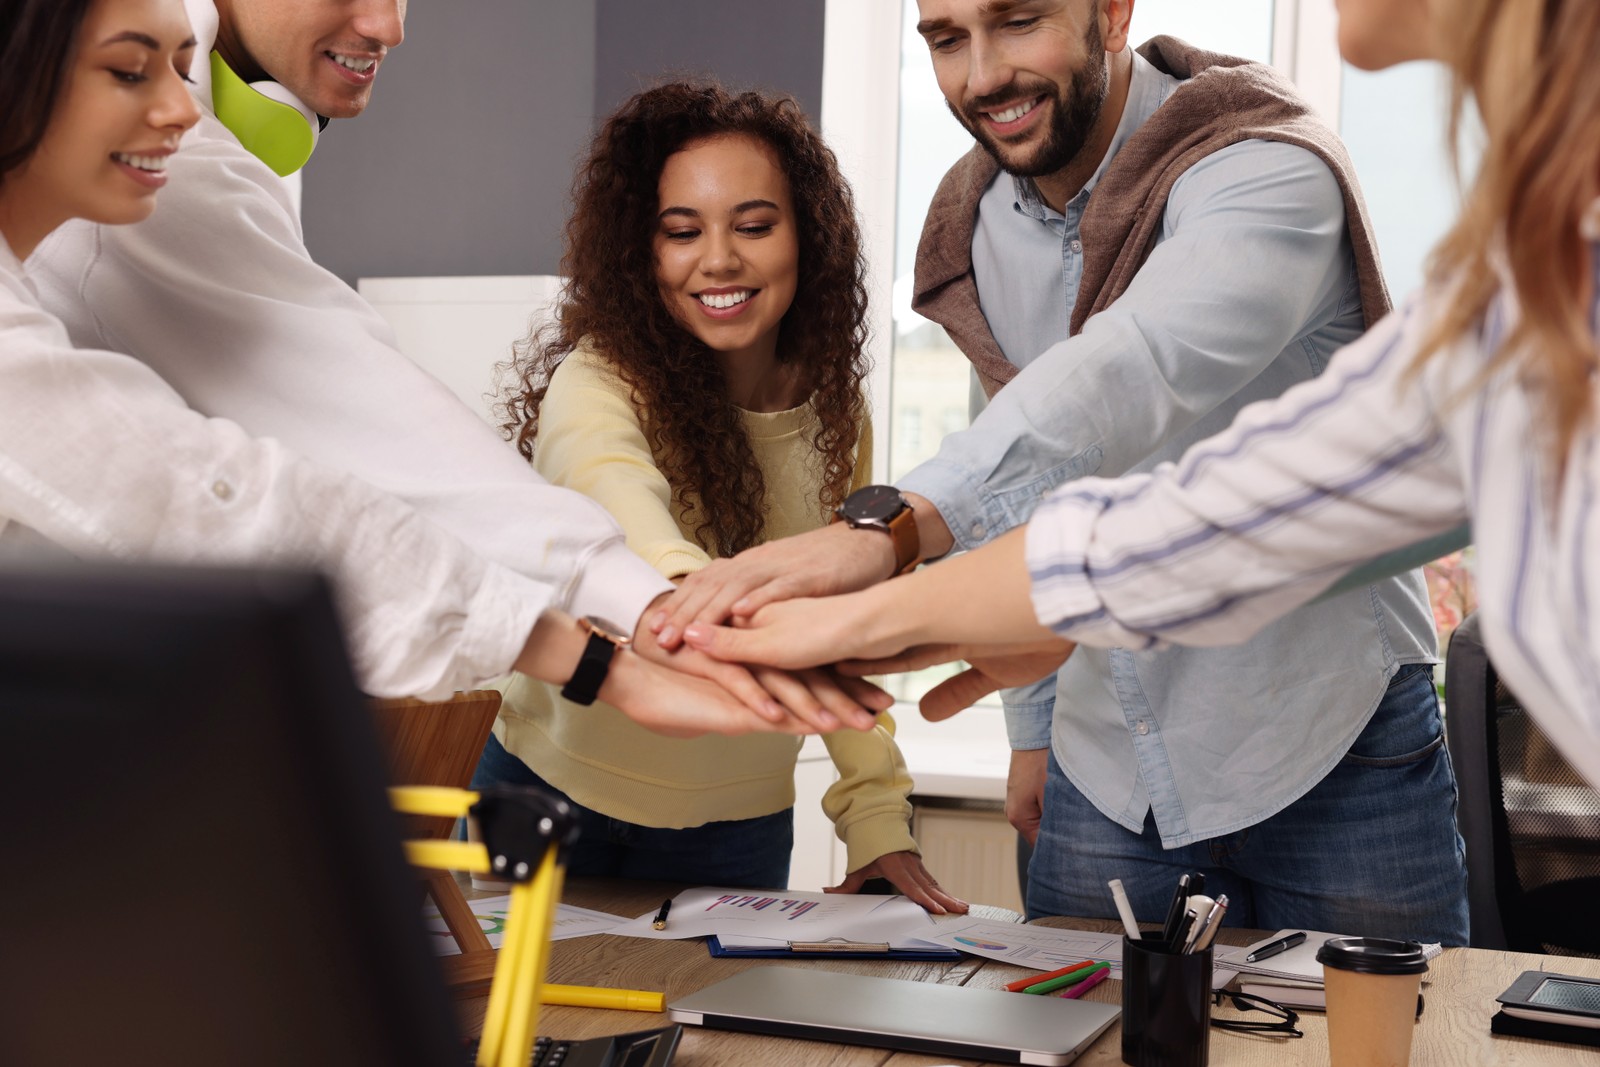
x=1249 y=288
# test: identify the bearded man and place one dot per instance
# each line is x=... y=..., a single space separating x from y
x=1139 y=245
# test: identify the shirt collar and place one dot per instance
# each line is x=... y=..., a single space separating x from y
x=1147 y=90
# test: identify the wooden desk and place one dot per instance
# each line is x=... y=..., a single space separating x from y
x=1453 y=1032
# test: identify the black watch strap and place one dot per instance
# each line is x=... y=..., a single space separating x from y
x=590 y=674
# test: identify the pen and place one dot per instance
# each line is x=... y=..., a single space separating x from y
x=1213 y=924
x=1087 y=984
x=660 y=921
x=1180 y=898
x=584 y=996
x=1272 y=948
x=1181 y=937
x=1052 y=984
x=1129 y=925
x=1034 y=979
x=1200 y=905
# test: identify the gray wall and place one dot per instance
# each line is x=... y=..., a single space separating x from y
x=747 y=44
x=463 y=162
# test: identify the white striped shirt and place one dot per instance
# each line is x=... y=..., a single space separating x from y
x=1258 y=519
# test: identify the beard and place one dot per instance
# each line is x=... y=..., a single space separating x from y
x=1072 y=116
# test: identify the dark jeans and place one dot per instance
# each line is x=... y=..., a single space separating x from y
x=751 y=853
x=1372 y=849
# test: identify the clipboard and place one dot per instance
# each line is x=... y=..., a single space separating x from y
x=833 y=948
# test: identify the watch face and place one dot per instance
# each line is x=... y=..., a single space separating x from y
x=873 y=503
x=608 y=629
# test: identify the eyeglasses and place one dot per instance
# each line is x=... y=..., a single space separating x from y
x=1282 y=1024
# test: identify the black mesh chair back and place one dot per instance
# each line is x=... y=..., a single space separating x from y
x=1531 y=824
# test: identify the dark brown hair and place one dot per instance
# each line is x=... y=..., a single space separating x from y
x=37 y=41
x=612 y=304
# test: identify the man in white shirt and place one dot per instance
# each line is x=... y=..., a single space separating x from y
x=217 y=293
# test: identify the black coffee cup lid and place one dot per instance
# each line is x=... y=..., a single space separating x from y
x=1372 y=955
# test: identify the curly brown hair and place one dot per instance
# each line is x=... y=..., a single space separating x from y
x=612 y=304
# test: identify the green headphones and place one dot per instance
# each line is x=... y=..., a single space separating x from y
x=272 y=125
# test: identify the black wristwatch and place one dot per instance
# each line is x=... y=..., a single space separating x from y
x=882 y=507
x=604 y=640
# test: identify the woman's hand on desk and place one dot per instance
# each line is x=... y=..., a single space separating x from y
x=904 y=870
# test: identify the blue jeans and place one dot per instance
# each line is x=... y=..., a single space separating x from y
x=750 y=853
x=1372 y=849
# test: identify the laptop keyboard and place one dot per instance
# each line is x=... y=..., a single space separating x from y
x=647 y=1048
x=548 y=1053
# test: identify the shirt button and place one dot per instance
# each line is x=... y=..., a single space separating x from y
x=1141 y=727
x=222 y=490
x=1077 y=246
x=978 y=531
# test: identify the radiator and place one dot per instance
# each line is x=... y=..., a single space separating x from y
x=970 y=848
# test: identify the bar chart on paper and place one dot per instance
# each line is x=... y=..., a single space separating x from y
x=788 y=909
x=738 y=916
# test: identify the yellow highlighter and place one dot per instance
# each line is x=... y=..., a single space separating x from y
x=585 y=996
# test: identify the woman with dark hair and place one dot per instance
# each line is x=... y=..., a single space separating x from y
x=703 y=380
x=100 y=457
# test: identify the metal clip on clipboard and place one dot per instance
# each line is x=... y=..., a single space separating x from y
x=838 y=944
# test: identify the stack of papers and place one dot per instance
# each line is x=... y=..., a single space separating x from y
x=1045 y=948
x=491 y=913
x=750 y=921
x=1293 y=978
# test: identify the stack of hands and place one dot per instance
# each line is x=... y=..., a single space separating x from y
x=791 y=628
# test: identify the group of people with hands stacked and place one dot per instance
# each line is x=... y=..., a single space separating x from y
x=1202 y=415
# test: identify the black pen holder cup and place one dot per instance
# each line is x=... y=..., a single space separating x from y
x=1166 y=1005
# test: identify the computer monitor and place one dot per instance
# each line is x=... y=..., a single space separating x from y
x=201 y=865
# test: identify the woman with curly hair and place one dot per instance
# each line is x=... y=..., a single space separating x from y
x=703 y=380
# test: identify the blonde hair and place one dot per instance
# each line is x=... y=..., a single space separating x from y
x=1533 y=69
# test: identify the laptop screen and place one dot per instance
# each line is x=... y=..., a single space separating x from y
x=201 y=867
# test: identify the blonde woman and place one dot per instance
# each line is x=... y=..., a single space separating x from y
x=1475 y=400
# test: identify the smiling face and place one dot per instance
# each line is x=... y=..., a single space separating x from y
x=726 y=248
x=326 y=52
x=123 y=106
x=1027 y=78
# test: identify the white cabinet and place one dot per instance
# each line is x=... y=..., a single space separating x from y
x=458 y=329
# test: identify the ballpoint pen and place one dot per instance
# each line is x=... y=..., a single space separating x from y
x=1272 y=948
x=1201 y=906
x=1180 y=900
x=1212 y=925
x=660 y=921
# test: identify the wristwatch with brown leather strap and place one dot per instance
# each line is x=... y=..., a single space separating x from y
x=883 y=507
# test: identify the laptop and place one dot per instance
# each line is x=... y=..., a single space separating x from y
x=201 y=863
x=943 y=1020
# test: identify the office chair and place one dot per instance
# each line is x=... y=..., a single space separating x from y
x=1531 y=824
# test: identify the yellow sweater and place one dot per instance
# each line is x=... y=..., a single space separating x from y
x=591 y=440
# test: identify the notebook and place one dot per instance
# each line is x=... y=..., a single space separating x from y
x=942 y=1020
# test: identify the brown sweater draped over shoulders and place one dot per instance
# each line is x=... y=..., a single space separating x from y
x=1222 y=100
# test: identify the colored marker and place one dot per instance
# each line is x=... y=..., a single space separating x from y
x=585 y=996
x=1034 y=979
x=1087 y=984
x=1079 y=975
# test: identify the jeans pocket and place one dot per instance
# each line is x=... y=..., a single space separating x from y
x=1406 y=728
